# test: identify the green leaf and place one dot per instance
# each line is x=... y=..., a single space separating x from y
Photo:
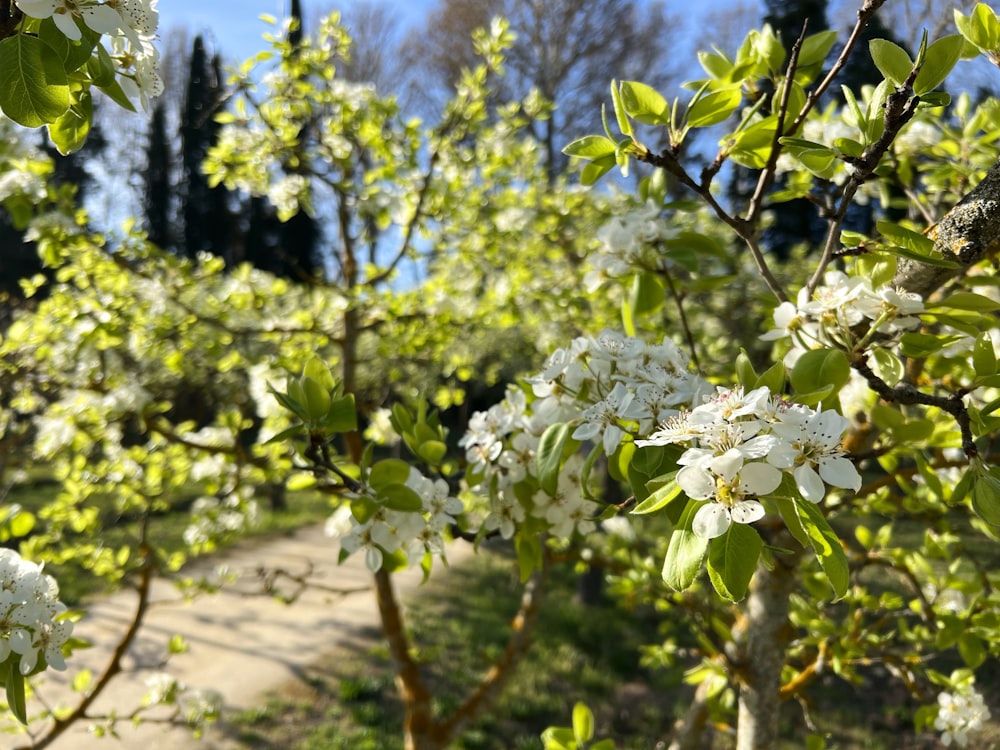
x=624 y=124
x=971 y=649
x=732 y=560
x=647 y=294
x=650 y=462
x=658 y=499
x=73 y=55
x=644 y=103
x=715 y=64
x=966 y=301
x=363 y=508
x=816 y=47
x=101 y=68
x=33 y=83
x=773 y=378
x=69 y=132
x=922 y=345
x=549 y=458
x=746 y=375
x=887 y=365
x=558 y=738
x=400 y=497
x=685 y=551
x=891 y=60
x=591 y=147
x=940 y=58
x=820 y=368
x=388 y=471
x=583 y=724
x=714 y=108
x=14 y=685
x=826 y=545
x=114 y=92
x=751 y=146
x=984 y=358
x=342 y=416
x=529 y=553
x=786 y=508
x=596 y=169
x=986 y=497
x=432 y=451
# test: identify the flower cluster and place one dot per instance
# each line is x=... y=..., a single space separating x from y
x=609 y=386
x=31 y=621
x=960 y=714
x=828 y=316
x=130 y=26
x=214 y=518
x=199 y=707
x=628 y=242
x=740 y=445
x=389 y=531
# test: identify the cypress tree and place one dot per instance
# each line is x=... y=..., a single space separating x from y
x=156 y=184
x=203 y=209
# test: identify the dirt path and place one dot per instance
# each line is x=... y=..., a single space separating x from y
x=243 y=646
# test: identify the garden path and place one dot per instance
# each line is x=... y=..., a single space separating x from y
x=240 y=644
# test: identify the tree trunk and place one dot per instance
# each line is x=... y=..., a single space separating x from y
x=761 y=640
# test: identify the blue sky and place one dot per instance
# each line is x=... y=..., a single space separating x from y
x=235 y=25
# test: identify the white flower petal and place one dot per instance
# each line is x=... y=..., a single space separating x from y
x=373 y=558
x=759 y=479
x=809 y=483
x=728 y=464
x=65 y=23
x=697 y=483
x=712 y=520
x=747 y=511
x=840 y=472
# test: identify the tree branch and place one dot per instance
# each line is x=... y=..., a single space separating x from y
x=967 y=234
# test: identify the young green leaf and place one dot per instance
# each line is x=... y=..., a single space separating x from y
x=548 y=460
x=714 y=108
x=891 y=60
x=583 y=724
x=644 y=103
x=941 y=57
x=826 y=545
x=732 y=560
x=34 y=89
x=685 y=551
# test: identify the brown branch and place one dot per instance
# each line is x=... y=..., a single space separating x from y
x=767 y=174
x=906 y=394
x=865 y=15
x=966 y=235
x=693 y=731
x=502 y=669
x=413 y=690
x=900 y=106
x=114 y=666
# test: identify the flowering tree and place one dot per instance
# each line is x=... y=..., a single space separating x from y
x=789 y=451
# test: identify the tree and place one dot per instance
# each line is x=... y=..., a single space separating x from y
x=205 y=210
x=774 y=495
x=562 y=49
x=158 y=189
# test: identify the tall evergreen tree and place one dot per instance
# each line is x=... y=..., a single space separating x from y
x=157 y=190
x=301 y=235
x=787 y=17
x=205 y=214
x=797 y=221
